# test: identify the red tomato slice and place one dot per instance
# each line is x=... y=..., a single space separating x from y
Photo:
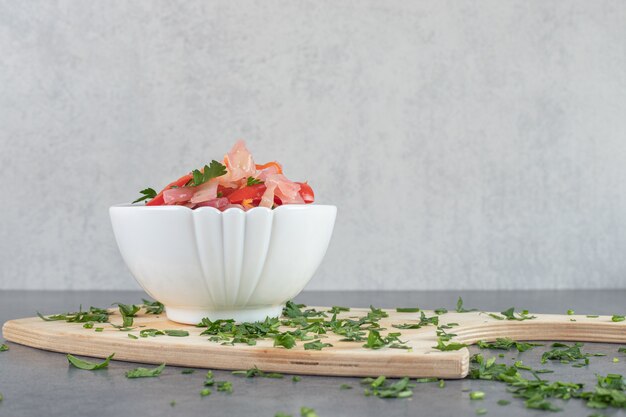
x=158 y=200
x=251 y=192
x=306 y=192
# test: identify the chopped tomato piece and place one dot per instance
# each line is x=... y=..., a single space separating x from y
x=250 y=192
x=306 y=192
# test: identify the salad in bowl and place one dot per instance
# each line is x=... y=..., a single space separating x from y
x=236 y=183
x=232 y=240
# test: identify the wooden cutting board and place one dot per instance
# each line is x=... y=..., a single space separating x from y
x=343 y=359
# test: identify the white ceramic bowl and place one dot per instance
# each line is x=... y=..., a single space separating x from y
x=223 y=265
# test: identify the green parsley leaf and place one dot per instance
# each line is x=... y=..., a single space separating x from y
x=132 y=336
x=442 y=383
x=285 y=340
x=296 y=378
x=89 y=366
x=253 y=181
x=408 y=310
x=345 y=386
x=425 y=380
x=99 y=329
x=380 y=387
x=3 y=348
x=459 y=307
x=424 y=321
x=144 y=372
x=618 y=318
x=205 y=392
x=214 y=170
x=307 y=412
x=506 y=343
x=338 y=309
x=441 y=311
x=94 y=314
x=509 y=314
x=128 y=311
x=476 y=395
x=253 y=372
x=448 y=347
x=147 y=194
x=504 y=402
x=153 y=307
x=316 y=345
x=593 y=317
x=187 y=371
x=224 y=386
x=570 y=312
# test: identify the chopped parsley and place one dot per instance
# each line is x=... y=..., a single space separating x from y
x=316 y=345
x=424 y=321
x=408 y=310
x=254 y=372
x=476 y=395
x=94 y=314
x=506 y=343
x=86 y=365
x=253 y=181
x=153 y=307
x=380 y=387
x=147 y=194
x=3 y=348
x=459 y=307
x=128 y=311
x=509 y=314
x=618 y=318
x=144 y=372
x=213 y=170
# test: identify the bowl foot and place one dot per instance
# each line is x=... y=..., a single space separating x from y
x=195 y=315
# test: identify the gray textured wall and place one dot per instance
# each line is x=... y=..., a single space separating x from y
x=467 y=144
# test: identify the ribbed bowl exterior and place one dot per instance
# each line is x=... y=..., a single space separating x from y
x=209 y=260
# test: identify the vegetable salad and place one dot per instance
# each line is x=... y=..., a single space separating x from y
x=236 y=182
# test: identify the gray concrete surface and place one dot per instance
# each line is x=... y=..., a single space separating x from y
x=37 y=383
x=467 y=144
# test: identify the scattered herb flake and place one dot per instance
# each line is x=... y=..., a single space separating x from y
x=618 y=318
x=506 y=343
x=459 y=307
x=153 y=307
x=146 y=194
x=205 y=392
x=253 y=181
x=128 y=311
x=254 y=372
x=476 y=395
x=503 y=402
x=307 y=412
x=86 y=365
x=345 y=386
x=187 y=371
x=144 y=372
x=296 y=378
x=3 y=348
x=316 y=345
x=408 y=310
